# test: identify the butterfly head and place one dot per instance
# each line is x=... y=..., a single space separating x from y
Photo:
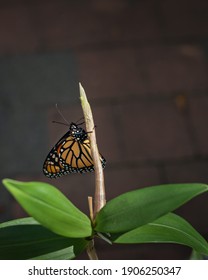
x=77 y=132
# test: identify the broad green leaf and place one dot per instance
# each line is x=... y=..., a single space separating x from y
x=167 y=229
x=26 y=239
x=139 y=207
x=50 y=208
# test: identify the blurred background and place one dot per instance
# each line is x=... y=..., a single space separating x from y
x=144 y=67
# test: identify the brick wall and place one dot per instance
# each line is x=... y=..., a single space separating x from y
x=143 y=65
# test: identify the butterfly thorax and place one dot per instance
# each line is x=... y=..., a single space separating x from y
x=77 y=132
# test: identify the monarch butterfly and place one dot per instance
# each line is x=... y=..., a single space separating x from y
x=71 y=154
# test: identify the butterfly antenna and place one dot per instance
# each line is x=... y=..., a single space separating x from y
x=61 y=115
x=60 y=123
x=77 y=122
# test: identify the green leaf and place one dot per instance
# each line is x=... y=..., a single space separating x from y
x=17 y=222
x=167 y=229
x=50 y=208
x=26 y=239
x=197 y=256
x=63 y=254
x=139 y=207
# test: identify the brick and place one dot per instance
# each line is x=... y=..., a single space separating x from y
x=77 y=188
x=141 y=251
x=25 y=82
x=133 y=22
x=199 y=118
x=62 y=24
x=17 y=33
x=107 y=133
x=110 y=73
x=5 y=199
x=124 y=179
x=185 y=18
x=22 y=139
x=65 y=25
x=170 y=69
x=154 y=130
x=190 y=171
x=39 y=78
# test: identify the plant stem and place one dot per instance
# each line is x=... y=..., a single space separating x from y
x=91 y=250
x=90 y=208
x=99 y=199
